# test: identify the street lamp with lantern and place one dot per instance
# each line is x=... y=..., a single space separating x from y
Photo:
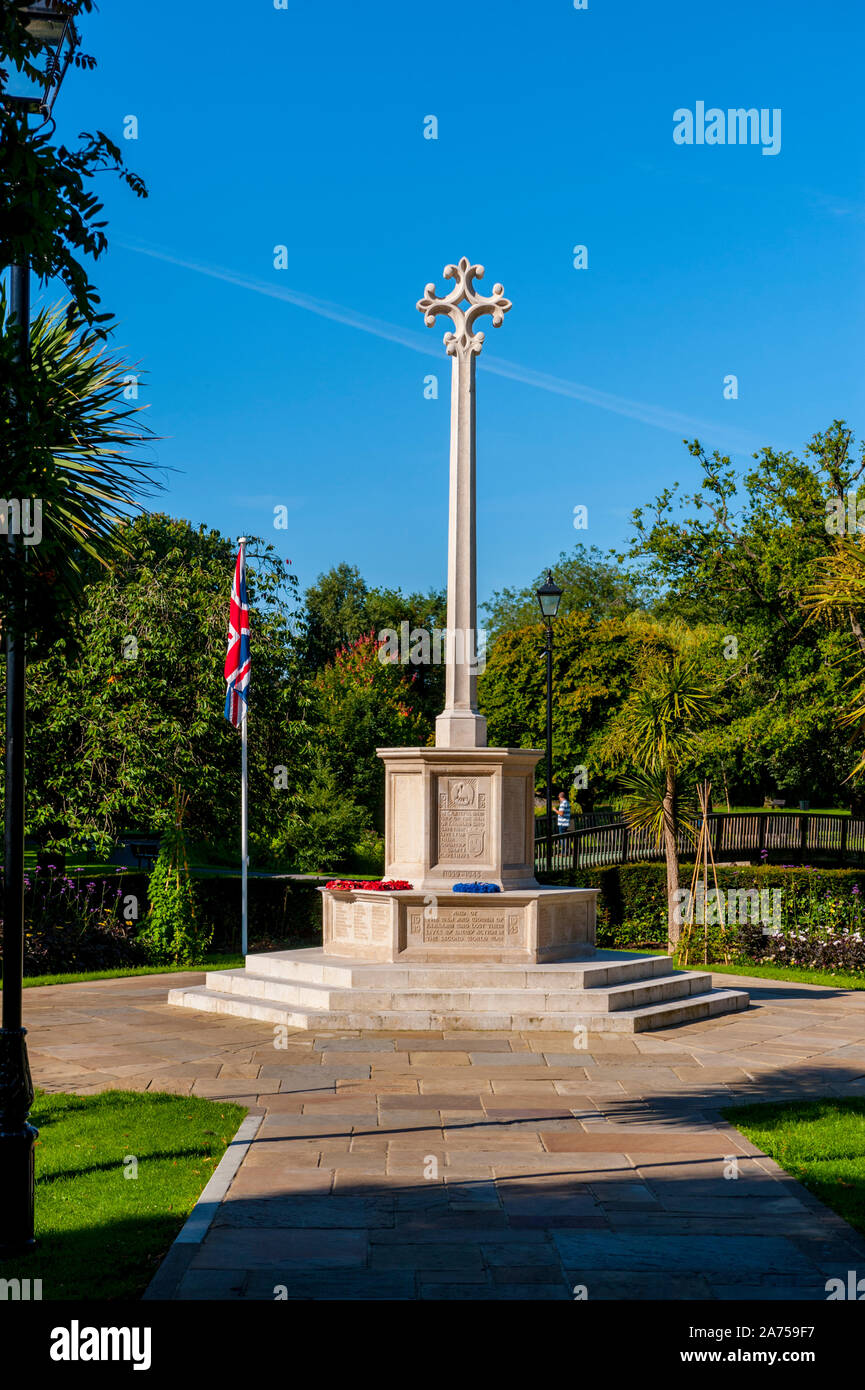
x=549 y=597
x=27 y=90
x=32 y=89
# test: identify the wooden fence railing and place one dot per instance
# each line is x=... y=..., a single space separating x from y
x=735 y=835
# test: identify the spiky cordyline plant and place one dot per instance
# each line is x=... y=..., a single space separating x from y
x=655 y=732
x=74 y=443
x=645 y=792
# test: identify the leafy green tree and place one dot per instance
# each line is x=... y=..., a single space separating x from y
x=75 y=456
x=391 y=610
x=325 y=829
x=335 y=613
x=591 y=583
x=340 y=609
x=53 y=216
x=594 y=666
x=70 y=444
x=363 y=703
x=739 y=556
x=837 y=599
x=130 y=707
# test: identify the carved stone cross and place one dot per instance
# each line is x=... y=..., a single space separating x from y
x=460 y=725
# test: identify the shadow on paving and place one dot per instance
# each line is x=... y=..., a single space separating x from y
x=766 y=991
x=621 y=1198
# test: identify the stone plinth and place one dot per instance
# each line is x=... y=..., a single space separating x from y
x=457 y=815
x=531 y=925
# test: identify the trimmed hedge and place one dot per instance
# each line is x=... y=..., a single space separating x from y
x=632 y=902
x=283 y=912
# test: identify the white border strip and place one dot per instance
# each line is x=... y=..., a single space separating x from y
x=198 y=1221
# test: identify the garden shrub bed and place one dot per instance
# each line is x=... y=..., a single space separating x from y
x=821 y=917
x=71 y=926
x=77 y=924
x=286 y=912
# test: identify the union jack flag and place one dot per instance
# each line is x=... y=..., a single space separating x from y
x=237 y=662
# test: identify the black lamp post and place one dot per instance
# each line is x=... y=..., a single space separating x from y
x=50 y=24
x=549 y=597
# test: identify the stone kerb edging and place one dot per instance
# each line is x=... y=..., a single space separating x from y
x=166 y=1281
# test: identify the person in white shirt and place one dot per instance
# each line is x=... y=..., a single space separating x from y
x=563 y=813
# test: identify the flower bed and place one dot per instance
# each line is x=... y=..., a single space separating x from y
x=811 y=946
x=75 y=924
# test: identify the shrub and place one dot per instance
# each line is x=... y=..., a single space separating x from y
x=632 y=903
x=175 y=931
x=368 y=854
x=283 y=912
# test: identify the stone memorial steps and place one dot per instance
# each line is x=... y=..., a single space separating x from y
x=636 y=995
x=609 y=992
x=599 y=968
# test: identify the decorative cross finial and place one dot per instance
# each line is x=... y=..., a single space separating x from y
x=464 y=340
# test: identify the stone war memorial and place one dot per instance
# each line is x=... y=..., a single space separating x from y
x=437 y=954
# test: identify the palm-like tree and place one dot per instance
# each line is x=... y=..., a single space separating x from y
x=656 y=733
x=74 y=442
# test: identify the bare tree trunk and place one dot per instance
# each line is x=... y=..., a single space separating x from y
x=671 y=854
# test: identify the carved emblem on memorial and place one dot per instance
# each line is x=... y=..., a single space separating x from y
x=462 y=793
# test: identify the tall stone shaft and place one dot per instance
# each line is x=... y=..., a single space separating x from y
x=460 y=725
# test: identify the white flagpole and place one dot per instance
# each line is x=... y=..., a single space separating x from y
x=244 y=819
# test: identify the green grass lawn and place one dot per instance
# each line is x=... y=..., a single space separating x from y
x=100 y=1234
x=794 y=973
x=785 y=972
x=820 y=1142
x=222 y=961
x=213 y=962
x=76 y=864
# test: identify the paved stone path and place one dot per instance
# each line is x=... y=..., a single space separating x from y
x=485 y=1165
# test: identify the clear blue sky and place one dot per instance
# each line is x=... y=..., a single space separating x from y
x=304 y=127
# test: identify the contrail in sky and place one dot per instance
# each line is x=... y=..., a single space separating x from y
x=430 y=345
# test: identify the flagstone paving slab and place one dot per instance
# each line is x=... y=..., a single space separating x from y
x=492 y=1166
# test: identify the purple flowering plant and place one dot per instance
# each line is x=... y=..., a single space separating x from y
x=68 y=927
